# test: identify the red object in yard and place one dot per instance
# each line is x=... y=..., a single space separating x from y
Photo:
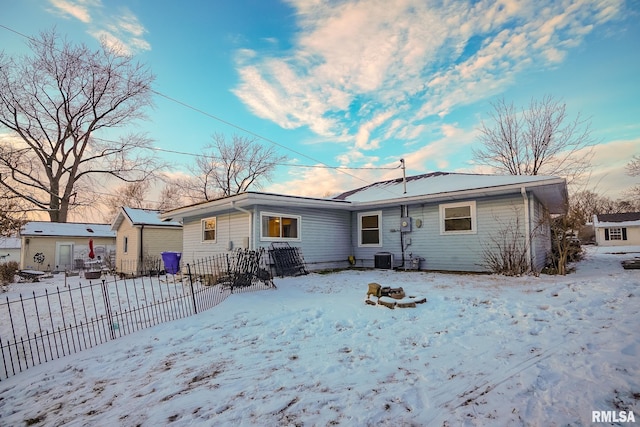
x=92 y=255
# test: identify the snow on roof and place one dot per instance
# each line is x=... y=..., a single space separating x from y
x=9 y=243
x=148 y=217
x=629 y=219
x=68 y=229
x=435 y=183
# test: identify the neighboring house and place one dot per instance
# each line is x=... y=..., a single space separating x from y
x=56 y=246
x=141 y=236
x=444 y=220
x=621 y=229
x=9 y=249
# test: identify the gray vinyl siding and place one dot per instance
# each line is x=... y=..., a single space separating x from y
x=461 y=252
x=232 y=232
x=325 y=235
x=541 y=236
x=390 y=238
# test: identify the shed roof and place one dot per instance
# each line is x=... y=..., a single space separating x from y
x=138 y=217
x=66 y=229
x=617 y=219
x=9 y=243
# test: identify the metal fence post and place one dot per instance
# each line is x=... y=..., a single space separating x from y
x=193 y=295
x=107 y=306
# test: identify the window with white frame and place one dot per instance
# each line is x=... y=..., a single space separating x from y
x=279 y=227
x=209 y=230
x=617 y=233
x=458 y=218
x=370 y=228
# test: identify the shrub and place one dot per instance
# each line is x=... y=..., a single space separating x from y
x=8 y=271
x=506 y=251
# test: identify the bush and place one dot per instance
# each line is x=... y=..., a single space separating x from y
x=8 y=271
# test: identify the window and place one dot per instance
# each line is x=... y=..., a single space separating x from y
x=279 y=227
x=369 y=229
x=458 y=218
x=619 y=233
x=125 y=244
x=209 y=230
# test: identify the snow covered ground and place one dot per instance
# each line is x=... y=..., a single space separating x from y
x=483 y=350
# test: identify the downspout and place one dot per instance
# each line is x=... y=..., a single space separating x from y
x=141 y=251
x=527 y=227
x=404 y=211
x=251 y=231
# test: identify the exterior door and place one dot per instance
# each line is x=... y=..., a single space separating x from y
x=64 y=256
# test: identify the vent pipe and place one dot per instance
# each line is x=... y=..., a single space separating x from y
x=404 y=176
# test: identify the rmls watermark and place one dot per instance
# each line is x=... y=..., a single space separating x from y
x=612 y=417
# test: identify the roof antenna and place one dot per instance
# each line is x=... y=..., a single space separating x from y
x=404 y=176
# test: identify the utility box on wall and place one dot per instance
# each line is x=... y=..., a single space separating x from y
x=383 y=260
x=405 y=224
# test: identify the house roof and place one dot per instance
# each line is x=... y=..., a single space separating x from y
x=139 y=217
x=436 y=186
x=10 y=243
x=618 y=219
x=66 y=229
x=442 y=186
x=250 y=198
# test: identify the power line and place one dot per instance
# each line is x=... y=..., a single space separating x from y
x=278 y=164
x=228 y=123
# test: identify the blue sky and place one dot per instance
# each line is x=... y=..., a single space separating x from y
x=362 y=84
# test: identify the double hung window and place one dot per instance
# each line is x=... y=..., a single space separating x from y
x=209 y=230
x=369 y=228
x=458 y=218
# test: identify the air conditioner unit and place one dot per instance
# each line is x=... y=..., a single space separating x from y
x=383 y=260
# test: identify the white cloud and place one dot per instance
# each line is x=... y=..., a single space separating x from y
x=435 y=154
x=370 y=74
x=122 y=33
x=364 y=133
x=609 y=163
x=78 y=9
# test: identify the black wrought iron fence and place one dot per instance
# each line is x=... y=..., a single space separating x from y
x=48 y=325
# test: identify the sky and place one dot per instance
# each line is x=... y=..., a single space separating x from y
x=363 y=84
x=483 y=350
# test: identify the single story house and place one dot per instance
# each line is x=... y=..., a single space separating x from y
x=621 y=229
x=434 y=221
x=52 y=246
x=9 y=249
x=141 y=236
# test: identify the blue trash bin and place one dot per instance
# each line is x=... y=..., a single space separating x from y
x=171 y=261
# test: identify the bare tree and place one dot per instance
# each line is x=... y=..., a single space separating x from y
x=170 y=197
x=11 y=216
x=633 y=167
x=131 y=194
x=228 y=168
x=55 y=103
x=540 y=139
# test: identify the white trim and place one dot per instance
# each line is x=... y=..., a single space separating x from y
x=473 y=213
x=215 y=230
x=527 y=226
x=298 y=219
x=370 y=245
x=71 y=253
